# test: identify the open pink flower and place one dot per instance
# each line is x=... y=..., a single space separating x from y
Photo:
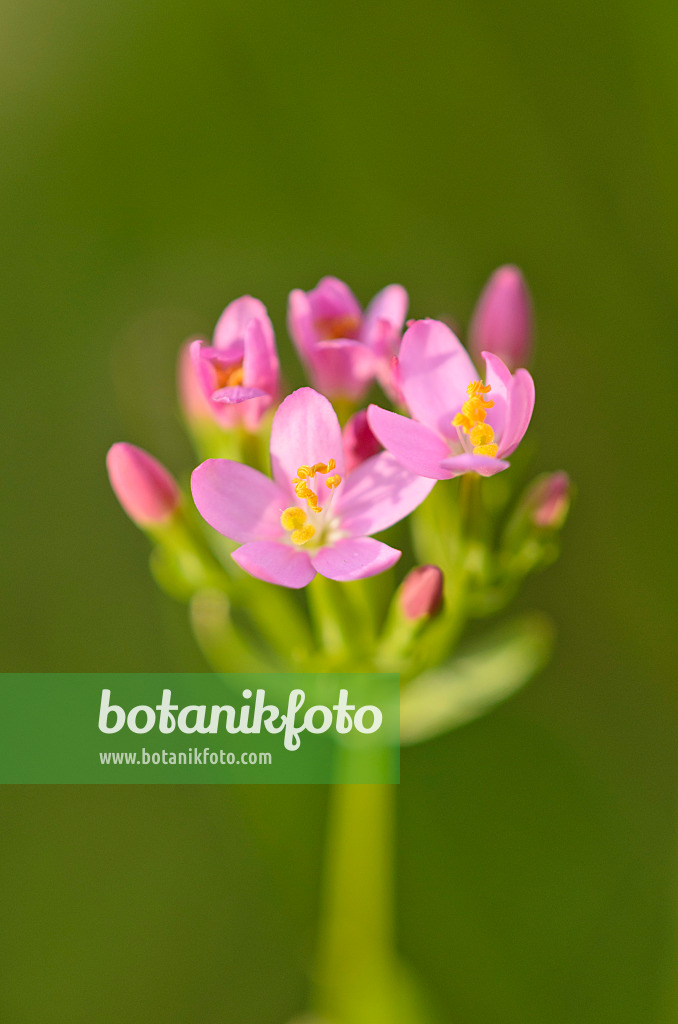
x=312 y=517
x=343 y=347
x=239 y=372
x=459 y=424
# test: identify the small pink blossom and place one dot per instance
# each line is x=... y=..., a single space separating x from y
x=458 y=424
x=147 y=491
x=344 y=347
x=502 y=320
x=239 y=372
x=313 y=516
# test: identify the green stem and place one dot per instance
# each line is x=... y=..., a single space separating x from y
x=356 y=969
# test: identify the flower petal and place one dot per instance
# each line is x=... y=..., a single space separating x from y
x=342 y=367
x=235 y=395
x=355 y=558
x=237 y=500
x=415 y=446
x=305 y=431
x=379 y=493
x=518 y=413
x=300 y=322
x=275 y=563
x=260 y=359
x=498 y=376
x=484 y=465
x=384 y=319
x=332 y=299
x=235 y=318
x=435 y=370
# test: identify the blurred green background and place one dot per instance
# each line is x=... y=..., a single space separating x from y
x=160 y=159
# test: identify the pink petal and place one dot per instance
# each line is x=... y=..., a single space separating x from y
x=300 y=322
x=435 y=370
x=415 y=446
x=237 y=500
x=332 y=299
x=519 y=412
x=305 y=431
x=235 y=318
x=484 y=465
x=498 y=376
x=377 y=494
x=355 y=558
x=260 y=359
x=342 y=368
x=275 y=563
x=384 y=319
x=237 y=394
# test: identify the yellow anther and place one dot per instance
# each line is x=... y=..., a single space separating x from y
x=303 y=534
x=301 y=488
x=471 y=419
x=486 y=449
x=295 y=521
x=482 y=433
x=229 y=376
x=293 y=518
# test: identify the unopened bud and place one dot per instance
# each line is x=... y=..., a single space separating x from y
x=148 y=493
x=548 y=501
x=359 y=441
x=421 y=593
x=502 y=320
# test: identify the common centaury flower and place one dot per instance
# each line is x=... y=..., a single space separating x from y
x=313 y=516
x=239 y=372
x=342 y=346
x=461 y=422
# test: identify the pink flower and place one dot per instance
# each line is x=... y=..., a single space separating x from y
x=312 y=517
x=502 y=320
x=148 y=493
x=459 y=424
x=342 y=346
x=239 y=373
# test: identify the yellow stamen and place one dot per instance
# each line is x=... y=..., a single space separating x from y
x=295 y=521
x=331 y=328
x=229 y=376
x=293 y=518
x=304 y=473
x=471 y=419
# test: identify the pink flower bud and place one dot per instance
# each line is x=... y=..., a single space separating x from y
x=548 y=501
x=421 y=593
x=502 y=320
x=148 y=493
x=359 y=441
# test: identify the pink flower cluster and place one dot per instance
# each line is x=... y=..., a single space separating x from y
x=331 y=490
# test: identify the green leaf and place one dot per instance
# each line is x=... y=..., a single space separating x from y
x=473 y=683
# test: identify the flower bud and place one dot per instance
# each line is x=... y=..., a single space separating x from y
x=421 y=593
x=359 y=441
x=502 y=320
x=148 y=493
x=548 y=501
